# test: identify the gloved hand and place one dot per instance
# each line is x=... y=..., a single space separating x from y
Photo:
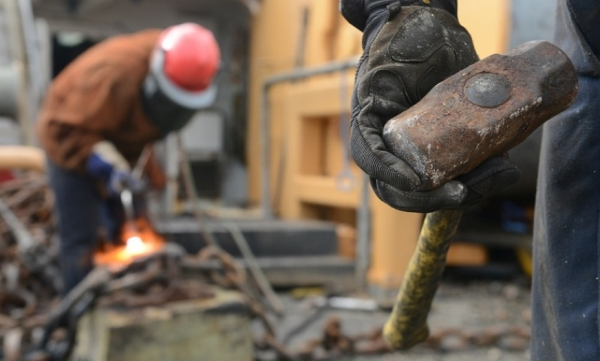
x=407 y=51
x=121 y=180
x=106 y=164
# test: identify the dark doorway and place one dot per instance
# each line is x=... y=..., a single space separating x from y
x=66 y=47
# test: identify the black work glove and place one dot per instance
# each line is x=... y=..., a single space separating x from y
x=407 y=51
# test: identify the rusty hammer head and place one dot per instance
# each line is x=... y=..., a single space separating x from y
x=484 y=110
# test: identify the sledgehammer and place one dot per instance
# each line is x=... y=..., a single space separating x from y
x=482 y=111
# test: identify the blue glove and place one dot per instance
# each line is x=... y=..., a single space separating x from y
x=107 y=165
x=121 y=180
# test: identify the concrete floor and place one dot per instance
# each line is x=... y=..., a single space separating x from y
x=471 y=306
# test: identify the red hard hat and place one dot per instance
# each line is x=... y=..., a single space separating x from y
x=191 y=56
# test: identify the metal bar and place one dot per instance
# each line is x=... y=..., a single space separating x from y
x=257 y=272
x=190 y=189
x=25 y=108
x=25 y=240
x=363 y=244
x=172 y=169
x=127 y=201
x=303 y=73
x=138 y=171
x=34 y=62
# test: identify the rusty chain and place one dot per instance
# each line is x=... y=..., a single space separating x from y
x=334 y=343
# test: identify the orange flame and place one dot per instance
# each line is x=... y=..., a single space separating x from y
x=140 y=240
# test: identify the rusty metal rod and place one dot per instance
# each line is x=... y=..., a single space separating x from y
x=192 y=195
x=257 y=272
x=25 y=240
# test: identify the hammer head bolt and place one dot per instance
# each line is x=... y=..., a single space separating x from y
x=487 y=90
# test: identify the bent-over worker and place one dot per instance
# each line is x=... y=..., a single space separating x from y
x=102 y=110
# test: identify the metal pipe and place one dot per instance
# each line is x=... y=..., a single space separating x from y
x=265 y=121
x=127 y=201
x=259 y=276
x=33 y=53
x=363 y=244
x=140 y=165
x=25 y=108
x=22 y=157
x=188 y=183
x=172 y=169
x=24 y=238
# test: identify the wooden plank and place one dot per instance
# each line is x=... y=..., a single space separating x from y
x=334 y=153
x=288 y=205
x=322 y=97
x=322 y=31
x=488 y=22
x=466 y=254
x=324 y=191
x=346 y=241
x=278 y=98
x=314 y=138
x=394 y=238
x=348 y=42
x=279 y=136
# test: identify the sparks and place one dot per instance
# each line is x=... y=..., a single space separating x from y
x=138 y=242
x=136 y=246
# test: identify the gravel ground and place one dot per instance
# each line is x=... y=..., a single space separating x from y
x=474 y=307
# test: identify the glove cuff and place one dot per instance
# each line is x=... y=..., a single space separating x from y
x=109 y=153
x=358 y=12
x=448 y=5
x=104 y=159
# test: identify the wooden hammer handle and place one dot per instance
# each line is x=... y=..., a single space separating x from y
x=407 y=324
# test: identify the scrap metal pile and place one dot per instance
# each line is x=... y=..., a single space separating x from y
x=37 y=324
x=29 y=277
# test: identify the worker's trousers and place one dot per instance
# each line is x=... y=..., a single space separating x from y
x=565 y=293
x=81 y=215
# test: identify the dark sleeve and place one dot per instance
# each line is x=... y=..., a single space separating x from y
x=586 y=14
x=356 y=12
